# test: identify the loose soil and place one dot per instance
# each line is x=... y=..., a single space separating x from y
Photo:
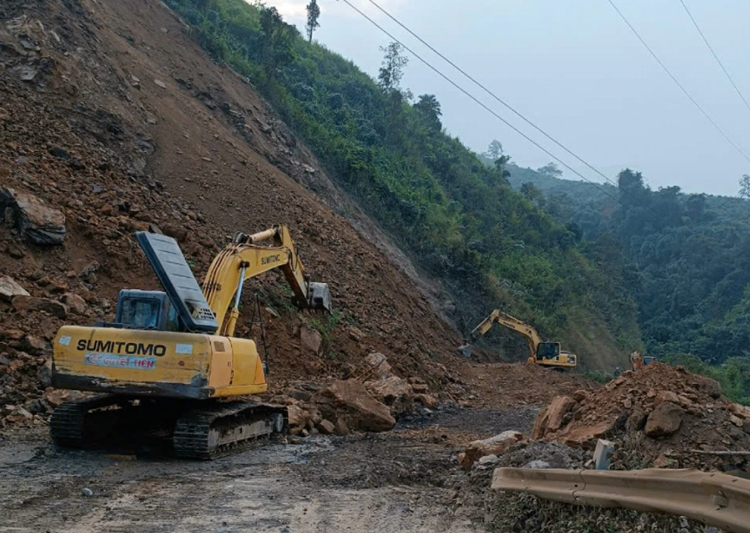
x=404 y=480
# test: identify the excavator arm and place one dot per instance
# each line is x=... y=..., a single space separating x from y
x=504 y=319
x=243 y=259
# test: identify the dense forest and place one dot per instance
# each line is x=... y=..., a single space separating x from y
x=459 y=219
x=684 y=257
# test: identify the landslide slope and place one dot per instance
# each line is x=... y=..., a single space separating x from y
x=459 y=220
x=111 y=114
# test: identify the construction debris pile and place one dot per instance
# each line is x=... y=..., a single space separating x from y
x=661 y=416
x=370 y=402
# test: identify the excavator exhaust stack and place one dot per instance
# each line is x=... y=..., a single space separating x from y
x=319 y=296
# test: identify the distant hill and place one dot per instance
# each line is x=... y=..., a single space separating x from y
x=685 y=257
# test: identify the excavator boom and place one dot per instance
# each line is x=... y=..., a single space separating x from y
x=245 y=258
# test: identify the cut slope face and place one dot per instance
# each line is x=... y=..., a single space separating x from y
x=113 y=116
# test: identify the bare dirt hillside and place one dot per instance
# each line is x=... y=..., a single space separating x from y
x=110 y=114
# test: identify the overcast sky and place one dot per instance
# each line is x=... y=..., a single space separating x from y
x=575 y=69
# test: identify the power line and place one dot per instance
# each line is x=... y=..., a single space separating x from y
x=705 y=40
x=477 y=101
x=492 y=94
x=674 y=79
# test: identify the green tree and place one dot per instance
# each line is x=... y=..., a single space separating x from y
x=494 y=150
x=276 y=45
x=500 y=165
x=392 y=68
x=313 y=14
x=551 y=170
x=429 y=109
x=532 y=192
x=745 y=187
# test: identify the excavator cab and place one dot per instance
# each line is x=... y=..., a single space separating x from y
x=548 y=350
x=147 y=310
x=552 y=355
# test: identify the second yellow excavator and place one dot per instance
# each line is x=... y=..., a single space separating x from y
x=548 y=354
x=170 y=364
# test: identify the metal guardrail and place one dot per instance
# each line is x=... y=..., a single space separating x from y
x=715 y=499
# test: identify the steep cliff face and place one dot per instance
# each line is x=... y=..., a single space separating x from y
x=113 y=119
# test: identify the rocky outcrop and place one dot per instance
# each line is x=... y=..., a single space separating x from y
x=32 y=303
x=10 y=288
x=394 y=392
x=379 y=366
x=493 y=446
x=350 y=402
x=34 y=220
x=552 y=417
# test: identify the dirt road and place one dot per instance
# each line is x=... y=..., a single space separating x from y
x=404 y=480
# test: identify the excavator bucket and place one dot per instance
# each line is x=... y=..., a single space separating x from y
x=320 y=296
x=465 y=350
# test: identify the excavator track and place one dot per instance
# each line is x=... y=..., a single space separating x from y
x=204 y=431
x=73 y=424
x=223 y=428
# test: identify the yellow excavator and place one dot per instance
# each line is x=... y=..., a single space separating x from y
x=170 y=365
x=548 y=354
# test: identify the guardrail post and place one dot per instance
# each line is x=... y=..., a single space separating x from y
x=603 y=454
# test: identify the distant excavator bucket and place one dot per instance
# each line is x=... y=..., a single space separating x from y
x=465 y=350
x=319 y=296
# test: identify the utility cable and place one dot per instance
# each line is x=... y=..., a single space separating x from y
x=477 y=101
x=492 y=94
x=674 y=79
x=716 y=57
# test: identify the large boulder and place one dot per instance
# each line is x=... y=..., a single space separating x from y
x=9 y=288
x=586 y=437
x=553 y=416
x=311 y=340
x=393 y=392
x=493 y=446
x=709 y=386
x=379 y=365
x=32 y=303
x=666 y=396
x=298 y=417
x=75 y=303
x=665 y=420
x=741 y=411
x=35 y=220
x=350 y=402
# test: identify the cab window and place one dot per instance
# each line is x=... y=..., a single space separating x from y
x=140 y=313
x=548 y=350
x=173 y=322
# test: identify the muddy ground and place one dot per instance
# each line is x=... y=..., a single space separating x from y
x=405 y=480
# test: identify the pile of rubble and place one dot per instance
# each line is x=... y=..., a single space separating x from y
x=25 y=363
x=662 y=416
x=369 y=402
